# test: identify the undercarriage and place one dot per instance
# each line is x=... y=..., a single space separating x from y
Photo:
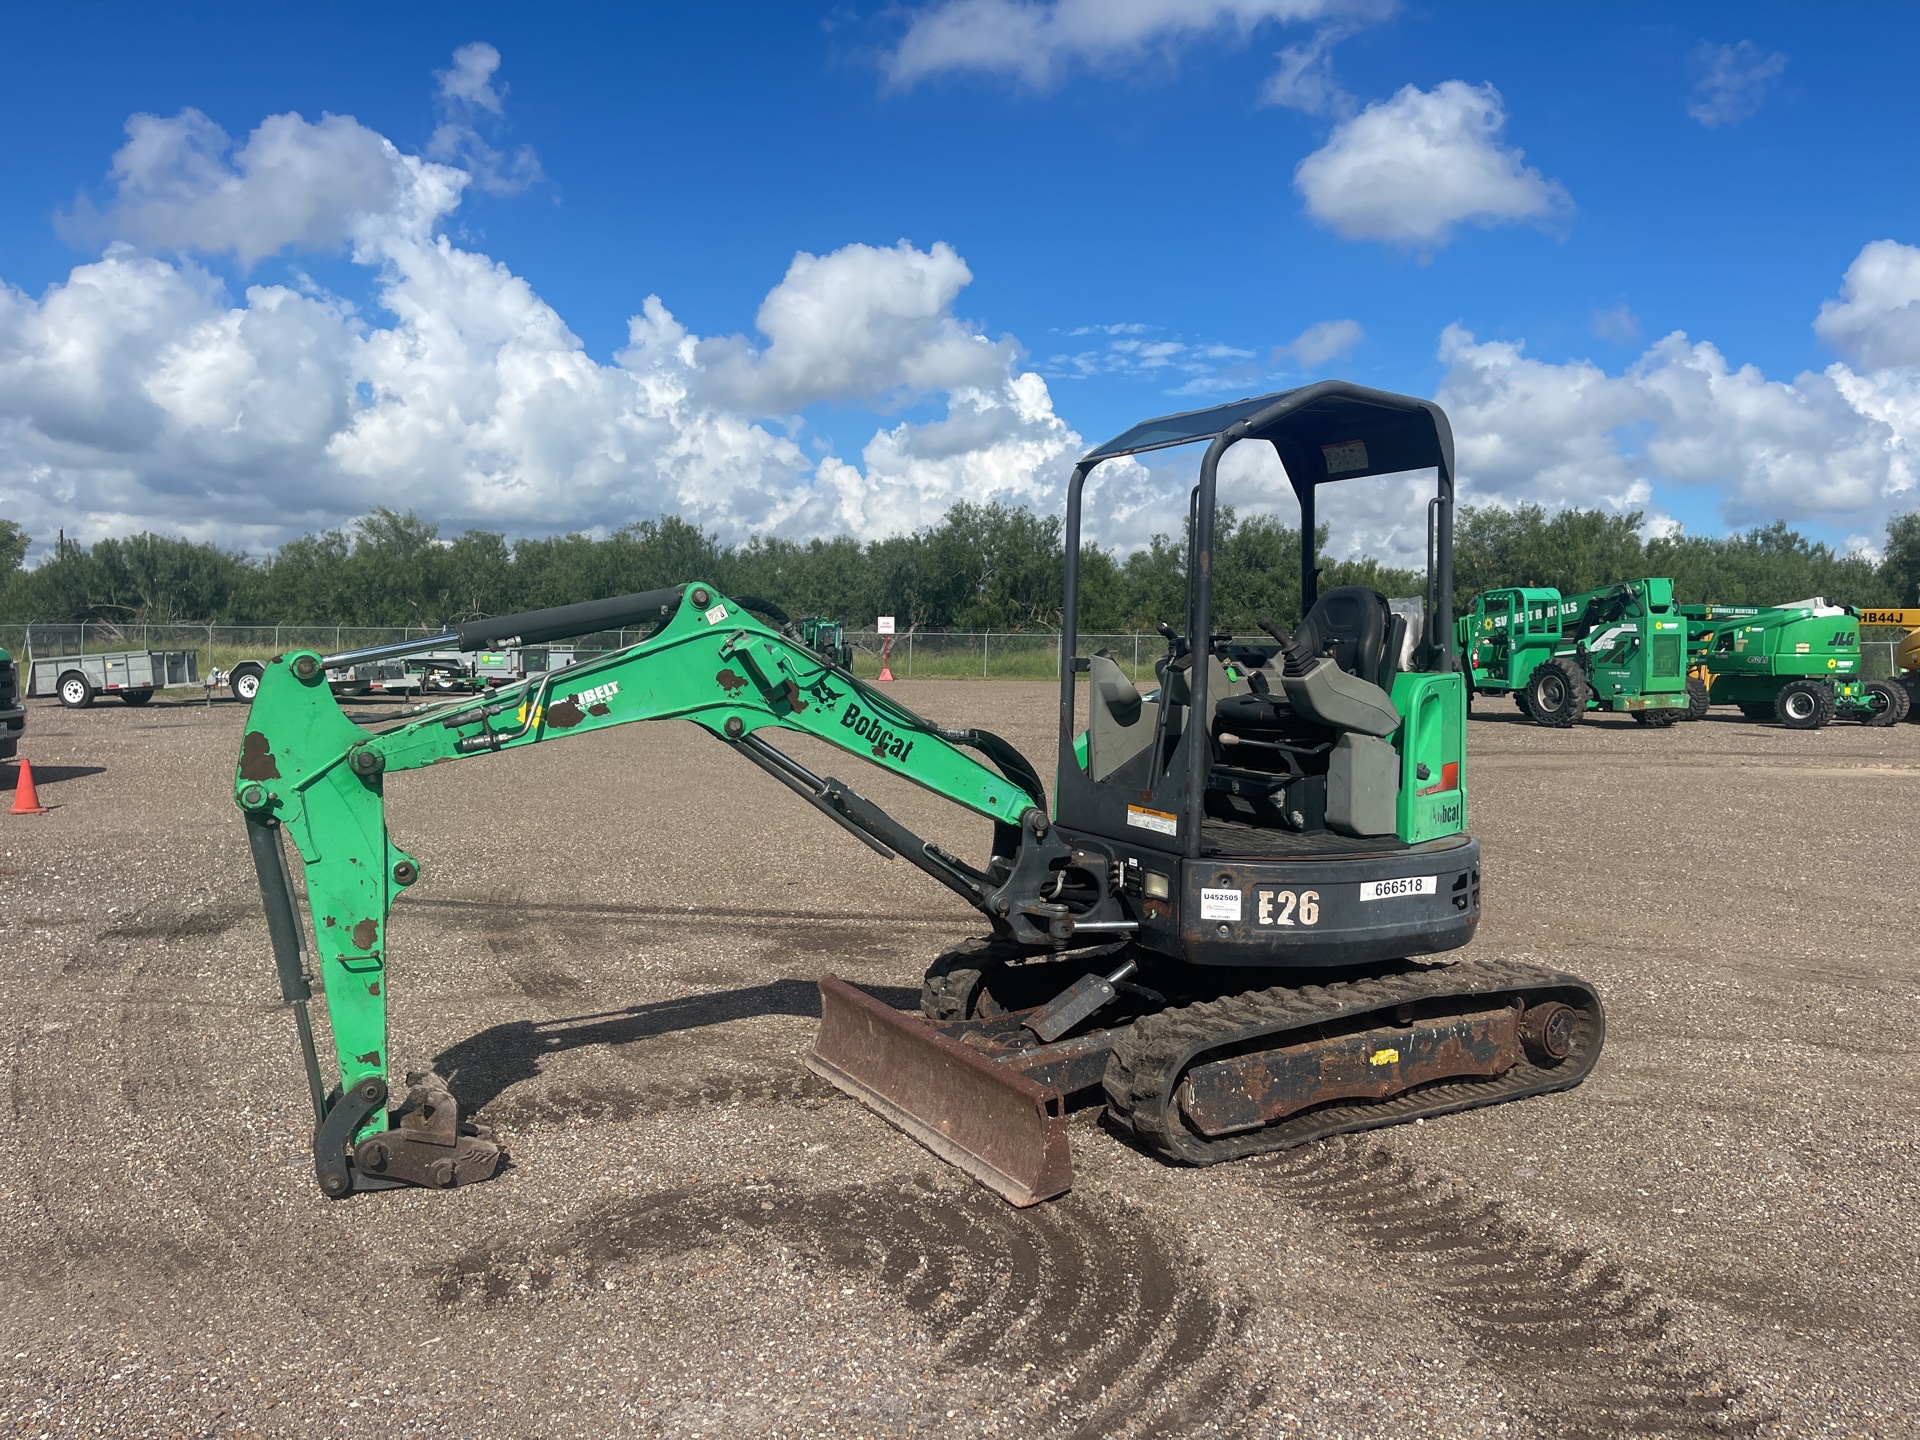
x=1194 y=1064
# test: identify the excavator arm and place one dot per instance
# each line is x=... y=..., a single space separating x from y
x=309 y=773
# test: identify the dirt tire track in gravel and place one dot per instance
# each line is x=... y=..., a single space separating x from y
x=561 y=1102
x=1590 y=1351
x=1120 y=1332
x=98 y=1243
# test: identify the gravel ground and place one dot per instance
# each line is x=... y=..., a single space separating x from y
x=612 y=951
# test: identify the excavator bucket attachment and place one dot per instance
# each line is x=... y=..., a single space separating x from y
x=1007 y=1131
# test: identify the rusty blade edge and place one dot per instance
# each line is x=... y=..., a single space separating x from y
x=1027 y=1117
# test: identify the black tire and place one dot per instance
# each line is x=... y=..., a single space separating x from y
x=9 y=748
x=1658 y=719
x=989 y=976
x=1520 y=703
x=75 y=690
x=954 y=987
x=244 y=681
x=1887 y=701
x=1557 y=693
x=1758 y=712
x=1698 y=699
x=135 y=697
x=1804 y=704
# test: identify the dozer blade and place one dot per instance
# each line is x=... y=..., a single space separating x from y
x=1005 y=1130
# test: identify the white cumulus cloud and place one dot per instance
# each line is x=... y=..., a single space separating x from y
x=1305 y=79
x=1837 y=445
x=1877 y=321
x=1321 y=342
x=179 y=184
x=855 y=324
x=1409 y=169
x=1731 y=82
x=470 y=106
x=1034 y=40
x=141 y=393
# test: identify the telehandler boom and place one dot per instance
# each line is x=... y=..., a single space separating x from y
x=1223 y=923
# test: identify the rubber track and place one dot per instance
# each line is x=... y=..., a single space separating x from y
x=1152 y=1054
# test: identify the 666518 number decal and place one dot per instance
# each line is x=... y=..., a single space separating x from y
x=1397 y=889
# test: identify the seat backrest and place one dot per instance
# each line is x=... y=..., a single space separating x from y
x=1350 y=623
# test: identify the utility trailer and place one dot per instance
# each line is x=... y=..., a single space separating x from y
x=1797 y=663
x=1619 y=648
x=13 y=715
x=132 y=675
x=448 y=672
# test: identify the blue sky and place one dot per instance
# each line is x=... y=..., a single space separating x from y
x=1146 y=205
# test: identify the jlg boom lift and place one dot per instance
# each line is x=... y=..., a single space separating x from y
x=1799 y=663
x=1226 y=924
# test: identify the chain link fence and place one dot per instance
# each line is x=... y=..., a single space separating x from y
x=1876 y=658
x=919 y=655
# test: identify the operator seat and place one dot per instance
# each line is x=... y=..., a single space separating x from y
x=1328 y=694
x=1335 y=673
x=1358 y=629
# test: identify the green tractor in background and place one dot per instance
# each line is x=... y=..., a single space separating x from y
x=1621 y=648
x=1798 y=664
x=827 y=639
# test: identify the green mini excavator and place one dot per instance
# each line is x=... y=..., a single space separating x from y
x=1230 y=925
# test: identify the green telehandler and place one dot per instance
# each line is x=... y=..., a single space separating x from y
x=1620 y=648
x=1797 y=663
x=1224 y=925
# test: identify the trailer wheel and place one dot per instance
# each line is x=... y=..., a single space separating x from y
x=1887 y=703
x=1804 y=704
x=75 y=690
x=135 y=697
x=1658 y=719
x=244 y=681
x=1557 y=694
x=1698 y=700
x=1757 y=712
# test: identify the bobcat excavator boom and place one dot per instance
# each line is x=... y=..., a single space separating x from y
x=308 y=772
x=1228 y=922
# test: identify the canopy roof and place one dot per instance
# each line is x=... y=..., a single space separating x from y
x=1332 y=430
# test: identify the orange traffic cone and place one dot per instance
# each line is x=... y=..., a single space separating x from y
x=886 y=653
x=26 y=799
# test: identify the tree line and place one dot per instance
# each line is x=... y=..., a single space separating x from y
x=983 y=567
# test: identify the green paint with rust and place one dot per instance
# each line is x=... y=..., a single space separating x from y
x=307 y=765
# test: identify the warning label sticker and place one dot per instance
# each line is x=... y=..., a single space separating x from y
x=1158 y=821
x=1344 y=456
